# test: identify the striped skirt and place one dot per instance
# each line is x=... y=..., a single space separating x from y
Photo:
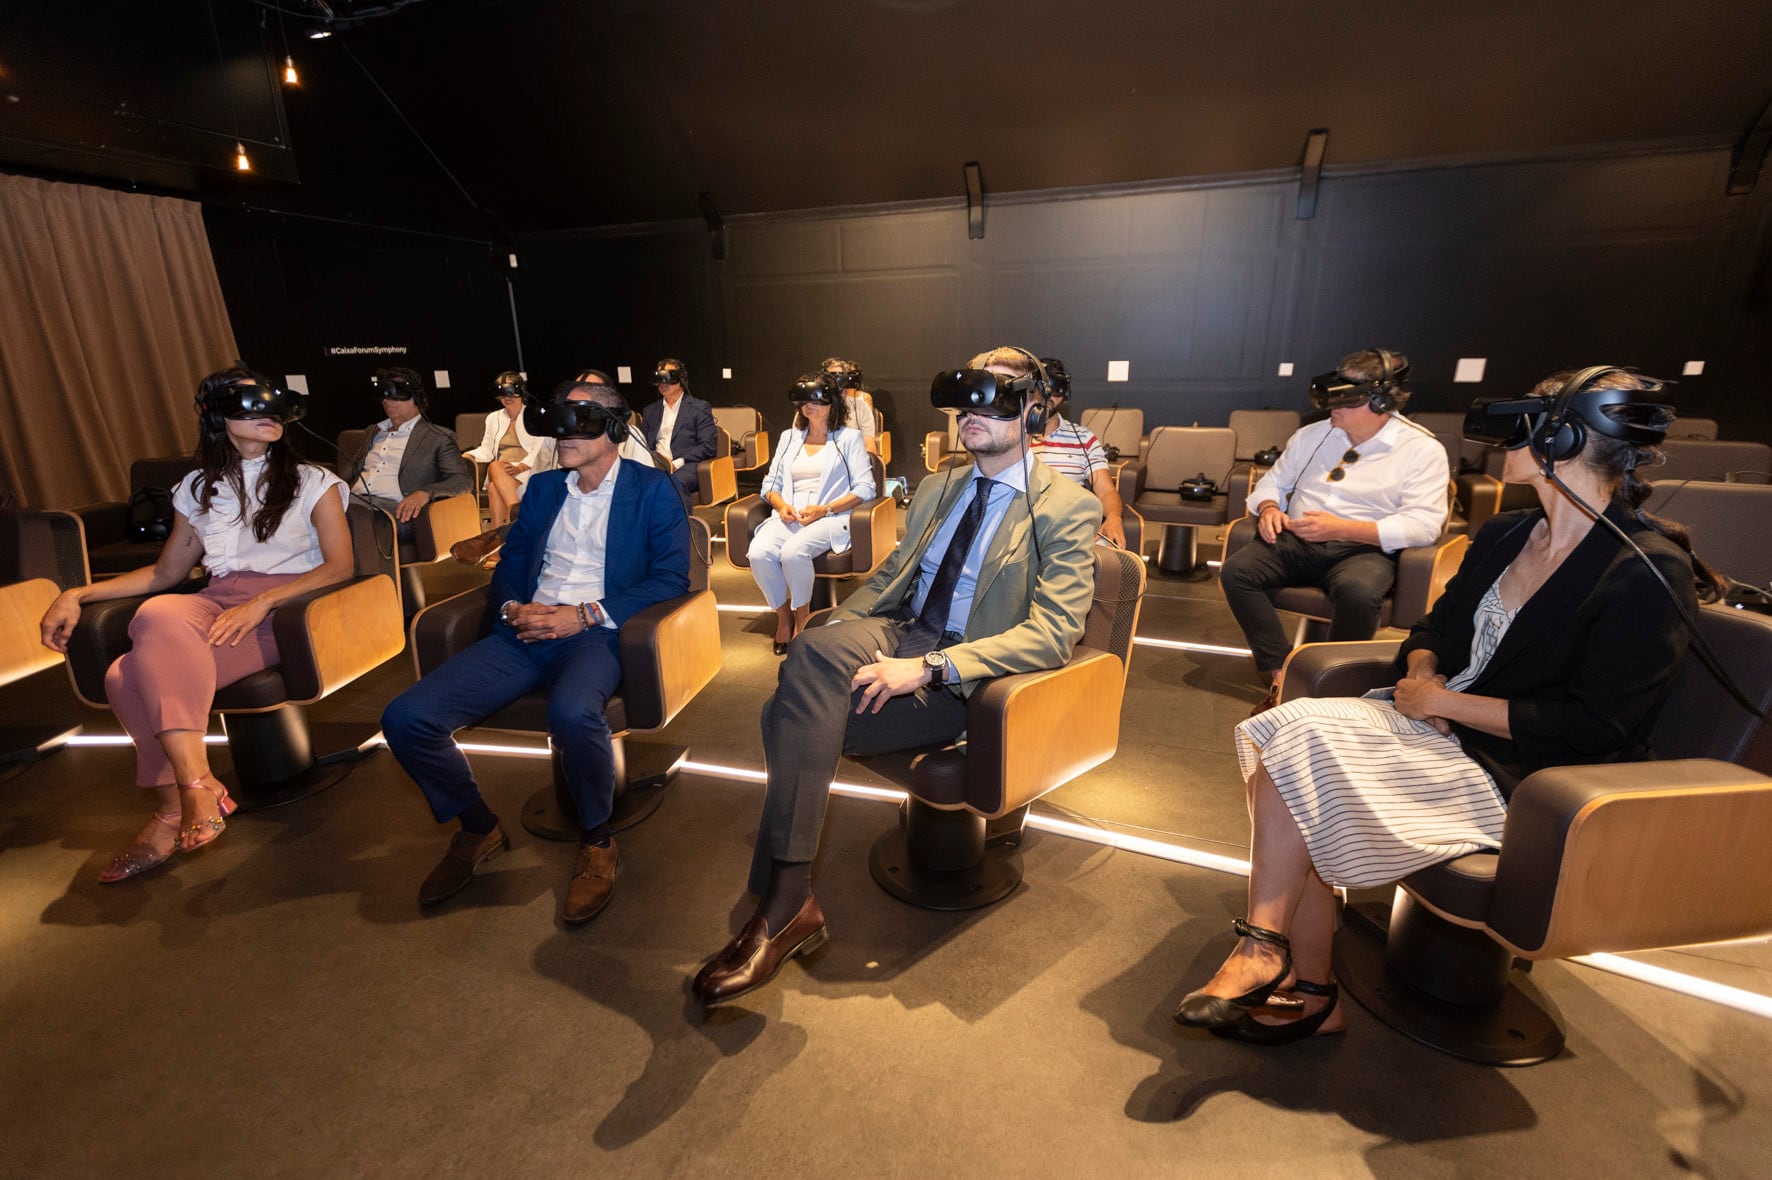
x=1375 y=795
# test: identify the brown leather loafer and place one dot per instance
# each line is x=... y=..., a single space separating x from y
x=753 y=958
x=476 y=550
x=467 y=852
x=592 y=884
x=1267 y=702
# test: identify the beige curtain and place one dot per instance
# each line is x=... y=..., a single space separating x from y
x=110 y=312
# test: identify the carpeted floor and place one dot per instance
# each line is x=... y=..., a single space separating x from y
x=277 y=1005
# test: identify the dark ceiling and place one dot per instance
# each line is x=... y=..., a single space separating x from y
x=555 y=114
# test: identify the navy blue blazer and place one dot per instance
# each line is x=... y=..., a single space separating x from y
x=647 y=558
x=693 y=438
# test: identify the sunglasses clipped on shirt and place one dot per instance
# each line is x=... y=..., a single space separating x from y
x=1347 y=460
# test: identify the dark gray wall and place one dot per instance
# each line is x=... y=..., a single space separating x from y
x=1636 y=260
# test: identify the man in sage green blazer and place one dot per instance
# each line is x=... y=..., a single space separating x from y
x=994 y=576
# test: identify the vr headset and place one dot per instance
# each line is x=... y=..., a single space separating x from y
x=395 y=388
x=574 y=420
x=671 y=376
x=252 y=397
x=1331 y=390
x=818 y=391
x=1556 y=425
x=980 y=391
x=509 y=384
x=1060 y=378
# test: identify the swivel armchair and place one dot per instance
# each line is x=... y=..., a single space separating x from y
x=873 y=534
x=1619 y=857
x=669 y=653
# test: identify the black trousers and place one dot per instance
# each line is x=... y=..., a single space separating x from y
x=810 y=723
x=1356 y=577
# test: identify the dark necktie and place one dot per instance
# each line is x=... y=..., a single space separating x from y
x=926 y=632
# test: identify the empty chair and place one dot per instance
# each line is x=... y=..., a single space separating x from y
x=1262 y=430
x=1121 y=430
x=1693 y=458
x=1153 y=488
x=1700 y=428
x=1616 y=857
x=939 y=446
x=41 y=554
x=126 y=535
x=716 y=478
x=1730 y=524
x=749 y=435
x=1449 y=429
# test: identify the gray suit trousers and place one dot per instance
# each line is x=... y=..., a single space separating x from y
x=810 y=723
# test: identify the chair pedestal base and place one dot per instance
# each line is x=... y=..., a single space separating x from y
x=274 y=760
x=1179 y=551
x=642 y=770
x=1403 y=971
x=27 y=743
x=937 y=860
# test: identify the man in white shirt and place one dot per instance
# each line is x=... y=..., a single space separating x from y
x=679 y=426
x=1345 y=497
x=565 y=584
x=406 y=460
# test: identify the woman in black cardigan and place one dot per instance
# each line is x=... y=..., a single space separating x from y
x=1554 y=643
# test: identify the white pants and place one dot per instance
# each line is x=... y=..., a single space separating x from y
x=781 y=556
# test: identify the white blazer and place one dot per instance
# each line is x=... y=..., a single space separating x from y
x=854 y=473
x=487 y=451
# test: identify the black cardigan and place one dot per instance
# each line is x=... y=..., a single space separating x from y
x=1588 y=659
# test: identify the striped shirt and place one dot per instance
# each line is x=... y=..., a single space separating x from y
x=1071 y=450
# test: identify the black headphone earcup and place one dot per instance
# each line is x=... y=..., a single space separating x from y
x=618 y=431
x=1555 y=446
x=1382 y=402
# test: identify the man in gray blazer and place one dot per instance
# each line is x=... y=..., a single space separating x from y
x=406 y=461
x=994 y=576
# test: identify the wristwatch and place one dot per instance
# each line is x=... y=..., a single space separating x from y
x=937 y=663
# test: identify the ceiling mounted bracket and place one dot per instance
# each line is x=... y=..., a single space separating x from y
x=974 y=201
x=1316 y=144
x=716 y=225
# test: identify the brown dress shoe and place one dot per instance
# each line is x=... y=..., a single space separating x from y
x=1267 y=702
x=475 y=550
x=592 y=884
x=467 y=852
x=753 y=958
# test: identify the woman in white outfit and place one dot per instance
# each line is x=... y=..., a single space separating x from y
x=821 y=471
x=511 y=453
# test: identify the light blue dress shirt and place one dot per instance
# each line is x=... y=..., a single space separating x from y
x=1010 y=483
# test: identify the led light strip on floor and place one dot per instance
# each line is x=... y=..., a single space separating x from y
x=1674 y=981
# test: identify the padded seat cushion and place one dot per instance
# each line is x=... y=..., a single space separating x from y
x=260 y=690
x=1315 y=603
x=934 y=774
x=1170 y=508
x=1461 y=887
x=122 y=556
x=529 y=714
x=834 y=563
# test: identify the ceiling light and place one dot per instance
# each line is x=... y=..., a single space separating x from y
x=242 y=162
x=318 y=34
x=290 y=77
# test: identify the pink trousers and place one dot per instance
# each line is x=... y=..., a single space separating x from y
x=168 y=680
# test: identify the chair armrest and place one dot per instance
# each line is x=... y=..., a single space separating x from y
x=935 y=445
x=669 y=652
x=1338 y=669
x=105 y=523
x=445 y=628
x=441 y=523
x=328 y=637
x=1130 y=481
x=743 y=519
x=884 y=439
x=1481 y=496
x=1242 y=531
x=819 y=618
x=21 y=635
x=716 y=480
x=873 y=533
x=1633 y=855
x=1014 y=752
x=1422 y=574
x=101 y=635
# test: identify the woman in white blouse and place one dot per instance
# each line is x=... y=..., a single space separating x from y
x=510 y=451
x=268 y=527
x=821 y=471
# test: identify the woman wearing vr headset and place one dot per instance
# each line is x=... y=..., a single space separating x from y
x=821 y=471
x=267 y=527
x=512 y=453
x=1555 y=643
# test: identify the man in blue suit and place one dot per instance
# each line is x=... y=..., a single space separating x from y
x=593 y=544
x=679 y=425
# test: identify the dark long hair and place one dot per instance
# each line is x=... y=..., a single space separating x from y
x=217 y=460
x=1618 y=460
x=839 y=416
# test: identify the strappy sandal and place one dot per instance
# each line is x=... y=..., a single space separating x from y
x=1200 y=1010
x=140 y=856
x=203 y=831
x=1253 y=1032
